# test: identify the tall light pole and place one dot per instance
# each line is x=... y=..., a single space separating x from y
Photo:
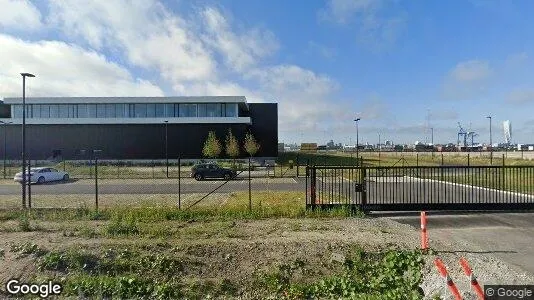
x=432 y=139
x=5 y=145
x=357 y=120
x=491 y=142
x=166 y=148
x=24 y=75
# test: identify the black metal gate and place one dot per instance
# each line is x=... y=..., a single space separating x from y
x=421 y=188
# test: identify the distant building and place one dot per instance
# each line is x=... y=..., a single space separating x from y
x=507 y=126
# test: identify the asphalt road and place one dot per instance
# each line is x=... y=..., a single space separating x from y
x=508 y=236
x=154 y=187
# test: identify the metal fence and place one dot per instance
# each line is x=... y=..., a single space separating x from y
x=421 y=188
x=102 y=184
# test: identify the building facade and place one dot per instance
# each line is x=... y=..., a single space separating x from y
x=133 y=127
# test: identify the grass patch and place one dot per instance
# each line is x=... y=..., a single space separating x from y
x=393 y=274
x=125 y=220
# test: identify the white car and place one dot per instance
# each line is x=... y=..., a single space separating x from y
x=42 y=175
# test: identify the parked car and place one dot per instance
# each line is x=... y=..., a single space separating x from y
x=211 y=170
x=42 y=175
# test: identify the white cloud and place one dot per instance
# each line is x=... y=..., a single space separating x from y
x=19 y=15
x=342 y=11
x=468 y=79
x=324 y=51
x=516 y=60
x=240 y=51
x=469 y=71
x=65 y=70
x=150 y=36
x=377 y=28
x=521 y=96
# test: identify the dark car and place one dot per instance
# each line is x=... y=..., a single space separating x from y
x=202 y=171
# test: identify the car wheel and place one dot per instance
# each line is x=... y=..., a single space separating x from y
x=41 y=180
x=227 y=176
x=66 y=177
x=198 y=177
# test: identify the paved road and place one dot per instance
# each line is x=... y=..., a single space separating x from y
x=154 y=187
x=508 y=236
x=411 y=190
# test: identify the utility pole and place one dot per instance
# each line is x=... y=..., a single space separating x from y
x=357 y=120
x=491 y=142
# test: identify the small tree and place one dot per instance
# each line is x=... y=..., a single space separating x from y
x=232 y=145
x=251 y=146
x=212 y=146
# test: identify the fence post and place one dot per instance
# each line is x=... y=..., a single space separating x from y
x=96 y=183
x=298 y=165
x=468 y=159
x=281 y=170
x=313 y=182
x=118 y=168
x=90 y=167
x=29 y=185
x=179 y=182
x=503 y=173
x=153 y=175
x=249 y=188
x=364 y=188
x=64 y=166
x=442 y=159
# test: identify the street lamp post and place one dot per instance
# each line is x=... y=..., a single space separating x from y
x=432 y=139
x=357 y=120
x=5 y=145
x=491 y=142
x=166 y=148
x=24 y=75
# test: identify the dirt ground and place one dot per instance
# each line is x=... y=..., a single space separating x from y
x=240 y=249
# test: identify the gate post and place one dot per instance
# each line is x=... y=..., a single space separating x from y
x=364 y=187
x=313 y=184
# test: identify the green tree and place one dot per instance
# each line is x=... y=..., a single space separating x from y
x=251 y=146
x=232 y=146
x=212 y=146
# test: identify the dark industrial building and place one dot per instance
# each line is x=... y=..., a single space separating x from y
x=132 y=127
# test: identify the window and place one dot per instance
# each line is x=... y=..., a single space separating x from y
x=73 y=111
x=169 y=110
x=213 y=110
x=151 y=110
x=131 y=110
x=36 y=108
x=110 y=111
x=45 y=111
x=17 y=111
x=54 y=111
x=121 y=111
x=63 y=111
x=188 y=110
x=101 y=110
x=231 y=110
x=160 y=110
x=140 y=110
x=91 y=110
x=202 y=110
x=82 y=111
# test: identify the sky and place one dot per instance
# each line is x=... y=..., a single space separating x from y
x=401 y=66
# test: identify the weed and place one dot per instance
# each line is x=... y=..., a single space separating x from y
x=25 y=249
x=2 y=253
x=120 y=226
x=24 y=224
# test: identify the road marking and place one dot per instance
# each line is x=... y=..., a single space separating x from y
x=478 y=187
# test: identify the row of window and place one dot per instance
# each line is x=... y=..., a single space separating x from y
x=138 y=110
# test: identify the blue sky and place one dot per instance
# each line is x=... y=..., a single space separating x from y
x=402 y=66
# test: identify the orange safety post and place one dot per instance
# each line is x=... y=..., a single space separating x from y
x=474 y=283
x=443 y=272
x=424 y=236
